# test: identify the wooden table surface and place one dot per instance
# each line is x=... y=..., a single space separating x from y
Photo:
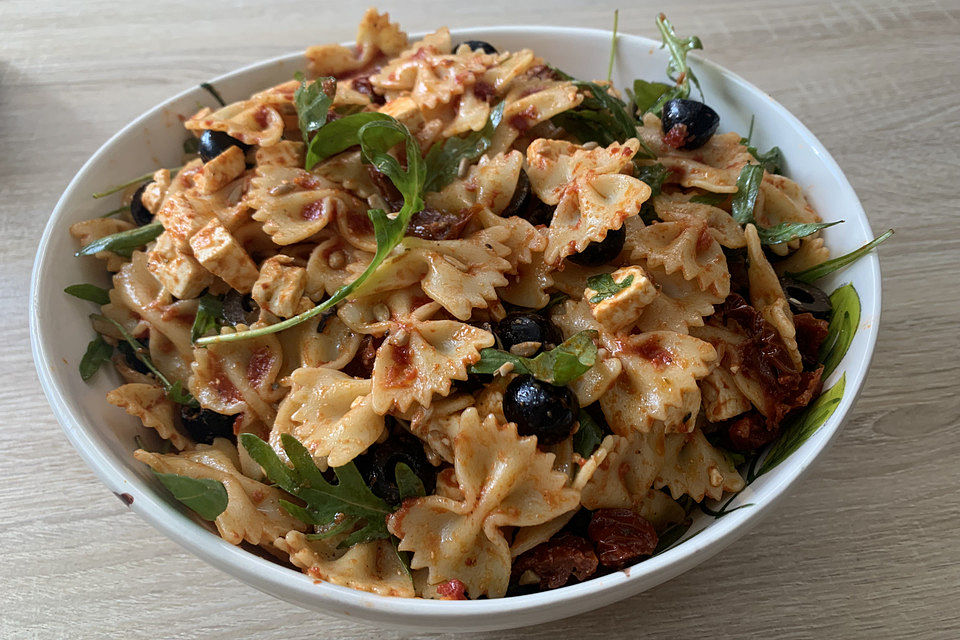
x=868 y=545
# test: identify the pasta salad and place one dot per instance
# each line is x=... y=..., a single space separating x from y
x=438 y=320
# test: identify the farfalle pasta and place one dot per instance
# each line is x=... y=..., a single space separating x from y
x=436 y=312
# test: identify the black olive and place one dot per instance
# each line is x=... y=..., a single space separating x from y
x=540 y=409
x=688 y=124
x=141 y=215
x=486 y=47
x=806 y=298
x=536 y=212
x=203 y=425
x=130 y=357
x=213 y=143
x=239 y=308
x=526 y=326
x=379 y=465
x=737 y=266
x=598 y=253
x=521 y=197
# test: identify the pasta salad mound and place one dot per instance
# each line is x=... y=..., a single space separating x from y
x=438 y=320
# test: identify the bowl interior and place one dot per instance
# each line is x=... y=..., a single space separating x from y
x=104 y=435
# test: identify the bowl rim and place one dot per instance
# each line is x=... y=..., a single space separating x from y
x=300 y=588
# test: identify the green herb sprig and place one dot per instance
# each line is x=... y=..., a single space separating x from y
x=313 y=102
x=561 y=365
x=346 y=506
x=209 y=316
x=606 y=286
x=588 y=436
x=120 y=187
x=772 y=160
x=124 y=242
x=443 y=160
x=89 y=292
x=824 y=269
x=207 y=497
x=843 y=327
x=98 y=352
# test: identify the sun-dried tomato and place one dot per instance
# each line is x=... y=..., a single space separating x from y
x=811 y=333
x=433 y=224
x=621 y=537
x=558 y=559
x=364 y=86
x=385 y=186
x=452 y=590
x=751 y=431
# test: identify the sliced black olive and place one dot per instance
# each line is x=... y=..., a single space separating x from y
x=486 y=47
x=379 y=465
x=213 y=143
x=130 y=357
x=806 y=298
x=521 y=197
x=203 y=425
x=239 y=308
x=536 y=212
x=688 y=124
x=737 y=266
x=519 y=327
x=540 y=409
x=141 y=215
x=598 y=253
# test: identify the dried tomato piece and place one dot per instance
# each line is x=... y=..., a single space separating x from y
x=621 y=537
x=811 y=333
x=362 y=364
x=364 y=86
x=433 y=224
x=558 y=559
x=385 y=186
x=452 y=590
x=751 y=431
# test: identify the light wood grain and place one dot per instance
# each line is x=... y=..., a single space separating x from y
x=867 y=546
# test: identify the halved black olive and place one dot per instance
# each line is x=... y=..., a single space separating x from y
x=141 y=215
x=540 y=409
x=203 y=425
x=239 y=308
x=526 y=326
x=598 y=253
x=521 y=197
x=379 y=465
x=213 y=143
x=130 y=357
x=806 y=298
x=486 y=47
x=688 y=124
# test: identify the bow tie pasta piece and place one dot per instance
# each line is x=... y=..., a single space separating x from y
x=781 y=200
x=529 y=102
x=150 y=404
x=330 y=413
x=676 y=207
x=489 y=183
x=459 y=274
x=505 y=482
x=323 y=341
x=377 y=38
x=333 y=263
x=528 y=287
x=591 y=194
x=713 y=167
x=625 y=472
x=86 y=231
x=686 y=248
x=437 y=424
x=294 y=204
x=693 y=467
x=349 y=172
x=369 y=566
x=254 y=121
x=766 y=294
x=233 y=377
x=253 y=512
x=722 y=399
x=658 y=382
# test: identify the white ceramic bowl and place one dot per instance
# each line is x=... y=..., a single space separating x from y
x=104 y=435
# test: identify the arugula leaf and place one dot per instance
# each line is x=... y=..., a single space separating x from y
x=712 y=199
x=124 y=242
x=624 y=127
x=348 y=505
x=339 y=135
x=798 y=429
x=98 y=352
x=408 y=483
x=376 y=137
x=772 y=160
x=110 y=214
x=823 y=269
x=588 y=437
x=90 y=292
x=209 y=316
x=207 y=497
x=173 y=390
x=313 y=102
x=212 y=90
x=843 y=327
x=606 y=287
x=787 y=231
x=672 y=534
x=748 y=185
x=443 y=160
x=647 y=95
x=561 y=365
x=120 y=187
x=653 y=175
x=677 y=68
